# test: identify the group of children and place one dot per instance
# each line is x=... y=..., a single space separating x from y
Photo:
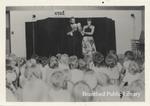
x=70 y=79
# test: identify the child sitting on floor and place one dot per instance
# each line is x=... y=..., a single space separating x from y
x=105 y=90
x=90 y=78
x=46 y=71
x=82 y=92
x=134 y=92
x=132 y=73
x=10 y=88
x=56 y=90
x=35 y=89
x=64 y=62
x=98 y=61
x=128 y=57
x=82 y=65
x=113 y=69
x=76 y=74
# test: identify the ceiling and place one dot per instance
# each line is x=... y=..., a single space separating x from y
x=11 y=8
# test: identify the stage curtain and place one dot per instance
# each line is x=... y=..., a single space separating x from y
x=29 y=38
x=50 y=35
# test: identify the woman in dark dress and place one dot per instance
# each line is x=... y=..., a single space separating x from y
x=88 y=44
x=74 y=38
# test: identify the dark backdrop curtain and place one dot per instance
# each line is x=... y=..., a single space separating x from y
x=29 y=38
x=50 y=35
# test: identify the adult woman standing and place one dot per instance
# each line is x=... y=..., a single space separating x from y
x=88 y=44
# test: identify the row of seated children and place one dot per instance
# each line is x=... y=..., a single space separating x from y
x=70 y=79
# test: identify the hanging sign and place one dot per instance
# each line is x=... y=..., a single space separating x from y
x=59 y=12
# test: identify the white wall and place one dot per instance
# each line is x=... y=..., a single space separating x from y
x=7 y=29
x=123 y=25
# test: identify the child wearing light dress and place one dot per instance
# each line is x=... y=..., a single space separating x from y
x=113 y=68
x=10 y=88
x=81 y=92
x=132 y=73
x=105 y=90
x=135 y=91
x=76 y=74
x=128 y=57
x=63 y=62
x=58 y=90
x=49 y=68
x=90 y=78
x=35 y=89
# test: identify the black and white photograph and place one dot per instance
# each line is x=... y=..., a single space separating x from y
x=75 y=53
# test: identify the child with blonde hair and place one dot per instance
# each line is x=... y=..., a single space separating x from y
x=64 y=61
x=132 y=73
x=134 y=92
x=81 y=92
x=90 y=78
x=76 y=74
x=57 y=92
x=49 y=68
x=11 y=77
x=106 y=91
x=35 y=89
x=128 y=57
x=113 y=68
